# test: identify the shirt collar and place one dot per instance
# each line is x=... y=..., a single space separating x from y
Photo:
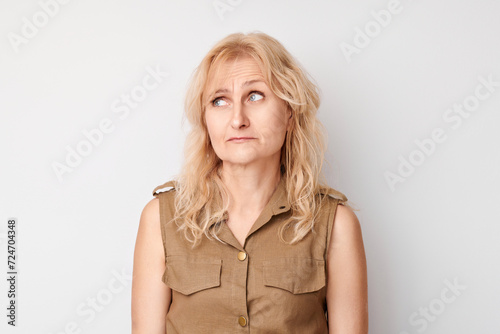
x=278 y=203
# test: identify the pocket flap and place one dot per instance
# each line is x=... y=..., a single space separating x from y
x=297 y=275
x=190 y=275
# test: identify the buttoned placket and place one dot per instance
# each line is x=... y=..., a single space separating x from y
x=277 y=204
x=240 y=259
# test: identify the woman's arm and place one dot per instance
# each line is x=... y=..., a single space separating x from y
x=150 y=296
x=347 y=289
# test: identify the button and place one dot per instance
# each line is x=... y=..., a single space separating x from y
x=242 y=256
x=242 y=321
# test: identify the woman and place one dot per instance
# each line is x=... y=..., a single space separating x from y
x=249 y=238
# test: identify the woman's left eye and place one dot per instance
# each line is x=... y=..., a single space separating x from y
x=256 y=96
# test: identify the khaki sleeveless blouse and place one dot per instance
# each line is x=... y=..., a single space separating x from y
x=266 y=286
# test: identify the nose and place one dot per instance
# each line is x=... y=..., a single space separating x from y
x=239 y=118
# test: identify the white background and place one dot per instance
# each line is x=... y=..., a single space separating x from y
x=77 y=233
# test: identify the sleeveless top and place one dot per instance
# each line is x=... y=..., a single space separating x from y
x=266 y=286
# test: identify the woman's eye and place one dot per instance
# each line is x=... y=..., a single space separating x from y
x=218 y=102
x=256 y=96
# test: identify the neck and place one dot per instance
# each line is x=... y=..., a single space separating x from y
x=250 y=188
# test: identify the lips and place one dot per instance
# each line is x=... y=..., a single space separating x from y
x=240 y=139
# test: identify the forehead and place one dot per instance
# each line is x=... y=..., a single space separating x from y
x=230 y=71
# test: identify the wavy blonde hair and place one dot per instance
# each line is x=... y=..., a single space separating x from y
x=302 y=154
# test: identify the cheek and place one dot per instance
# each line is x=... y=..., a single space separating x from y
x=278 y=119
x=211 y=126
x=276 y=126
x=215 y=132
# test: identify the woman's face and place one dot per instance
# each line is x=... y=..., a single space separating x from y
x=246 y=121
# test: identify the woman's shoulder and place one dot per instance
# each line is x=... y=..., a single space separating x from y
x=166 y=187
x=333 y=193
x=164 y=197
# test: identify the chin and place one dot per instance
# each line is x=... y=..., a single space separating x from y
x=241 y=162
x=239 y=157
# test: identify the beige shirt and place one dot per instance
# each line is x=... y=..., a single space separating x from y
x=266 y=286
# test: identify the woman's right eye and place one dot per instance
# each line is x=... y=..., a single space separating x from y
x=219 y=102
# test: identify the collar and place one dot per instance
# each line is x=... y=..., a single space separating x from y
x=278 y=203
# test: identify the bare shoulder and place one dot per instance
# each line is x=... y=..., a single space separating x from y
x=150 y=296
x=346 y=224
x=151 y=213
x=149 y=240
x=347 y=290
x=346 y=238
x=149 y=244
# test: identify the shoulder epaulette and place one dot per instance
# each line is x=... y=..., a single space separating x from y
x=164 y=187
x=334 y=193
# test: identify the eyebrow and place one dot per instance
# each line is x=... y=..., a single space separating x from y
x=245 y=84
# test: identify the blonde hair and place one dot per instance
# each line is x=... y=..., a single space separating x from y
x=199 y=183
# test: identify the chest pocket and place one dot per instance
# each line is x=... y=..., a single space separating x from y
x=188 y=275
x=296 y=275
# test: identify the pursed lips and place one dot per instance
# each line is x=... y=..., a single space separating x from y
x=240 y=139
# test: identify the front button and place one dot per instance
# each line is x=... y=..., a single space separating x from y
x=242 y=321
x=242 y=256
